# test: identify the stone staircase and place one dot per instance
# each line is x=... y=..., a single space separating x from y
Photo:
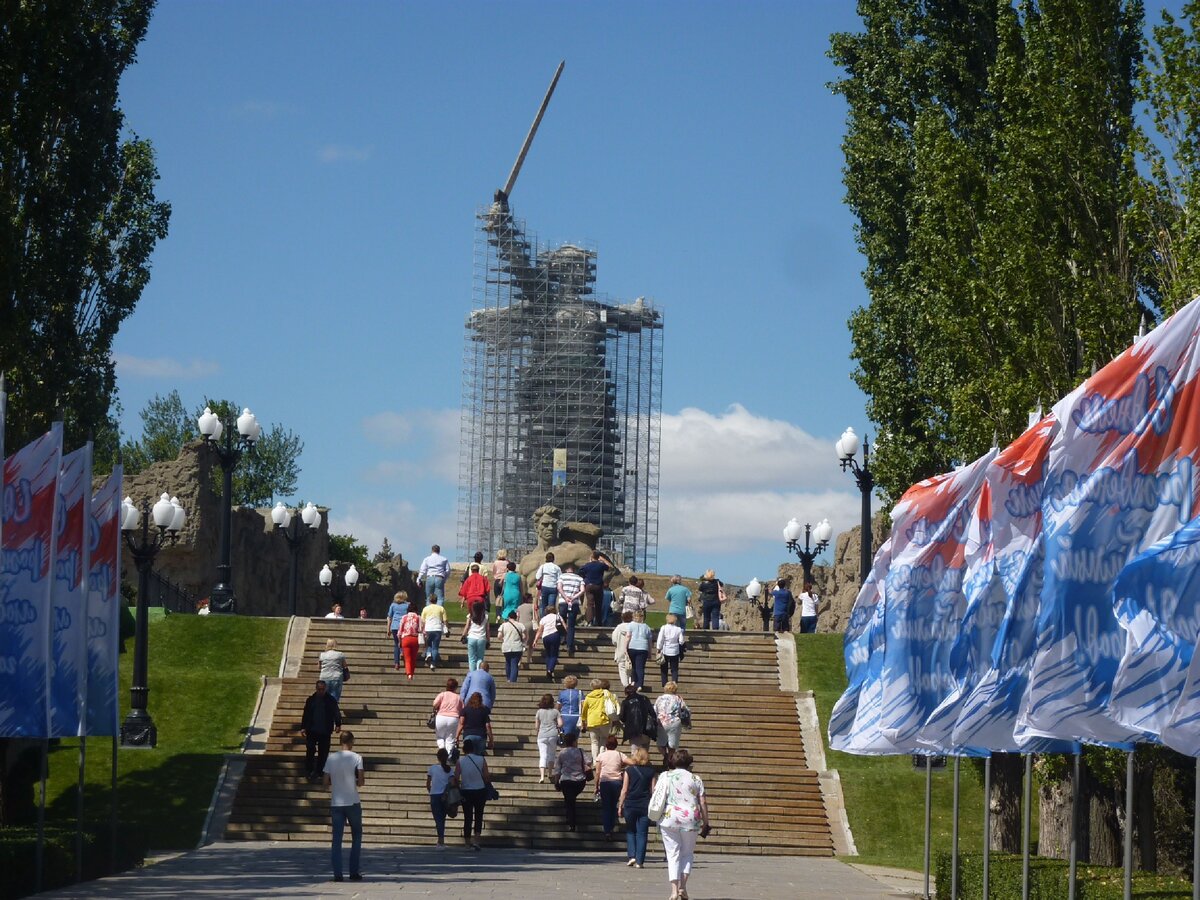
x=746 y=740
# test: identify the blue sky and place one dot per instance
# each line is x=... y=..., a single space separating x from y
x=325 y=163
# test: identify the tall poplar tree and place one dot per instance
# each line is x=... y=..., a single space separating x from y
x=78 y=215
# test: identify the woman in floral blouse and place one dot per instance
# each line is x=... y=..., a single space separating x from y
x=670 y=709
x=685 y=815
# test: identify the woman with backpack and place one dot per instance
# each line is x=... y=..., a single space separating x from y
x=598 y=712
x=572 y=770
x=438 y=781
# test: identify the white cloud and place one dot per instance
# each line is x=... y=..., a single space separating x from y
x=388 y=428
x=425 y=439
x=738 y=449
x=731 y=481
x=734 y=521
x=409 y=529
x=144 y=367
x=338 y=153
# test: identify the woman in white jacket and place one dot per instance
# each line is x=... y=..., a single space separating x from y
x=670 y=645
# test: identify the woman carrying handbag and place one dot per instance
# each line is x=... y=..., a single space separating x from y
x=572 y=770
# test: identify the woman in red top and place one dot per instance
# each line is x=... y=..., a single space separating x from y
x=407 y=633
x=474 y=588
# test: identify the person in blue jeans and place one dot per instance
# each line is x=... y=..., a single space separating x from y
x=678 y=598
x=570 y=700
x=344 y=776
x=639 y=647
x=784 y=603
x=710 y=589
x=438 y=779
x=434 y=571
x=634 y=804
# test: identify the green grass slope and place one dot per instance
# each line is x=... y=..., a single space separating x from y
x=885 y=796
x=204 y=677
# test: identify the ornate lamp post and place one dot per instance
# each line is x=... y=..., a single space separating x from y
x=168 y=516
x=847 y=448
x=821 y=532
x=289 y=526
x=338 y=591
x=211 y=429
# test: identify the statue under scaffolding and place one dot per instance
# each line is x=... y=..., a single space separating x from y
x=562 y=395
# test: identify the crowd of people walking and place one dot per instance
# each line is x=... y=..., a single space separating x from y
x=632 y=760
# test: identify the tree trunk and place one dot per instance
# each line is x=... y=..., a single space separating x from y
x=1101 y=844
x=1054 y=819
x=1008 y=770
x=18 y=775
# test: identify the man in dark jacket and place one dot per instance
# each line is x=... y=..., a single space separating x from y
x=320 y=720
x=638 y=720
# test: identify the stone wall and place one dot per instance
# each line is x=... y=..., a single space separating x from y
x=260 y=559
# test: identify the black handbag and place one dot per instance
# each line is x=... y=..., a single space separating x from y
x=345 y=674
x=431 y=722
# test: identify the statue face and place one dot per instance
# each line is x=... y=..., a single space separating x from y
x=547 y=528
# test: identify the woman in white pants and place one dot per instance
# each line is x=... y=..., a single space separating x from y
x=447 y=706
x=545 y=720
x=685 y=816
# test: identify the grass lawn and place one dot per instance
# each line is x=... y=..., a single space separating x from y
x=885 y=796
x=204 y=676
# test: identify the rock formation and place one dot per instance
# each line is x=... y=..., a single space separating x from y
x=837 y=585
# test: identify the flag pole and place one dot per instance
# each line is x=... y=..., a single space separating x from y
x=79 y=811
x=41 y=819
x=987 y=822
x=928 y=793
x=1026 y=815
x=1129 y=825
x=954 y=837
x=1196 y=837
x=112 y=837
x=1071 y=879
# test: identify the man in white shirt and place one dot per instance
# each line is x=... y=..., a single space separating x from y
x=570 y=599
x=344 y=776
x=336 y=613
x=547 y=577
x=434 y=571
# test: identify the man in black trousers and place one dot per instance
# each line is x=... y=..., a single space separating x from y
x=321 y=719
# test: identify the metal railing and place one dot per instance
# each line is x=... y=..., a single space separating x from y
x=170 y=596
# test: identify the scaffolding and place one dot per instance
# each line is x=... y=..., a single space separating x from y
x=562 y=398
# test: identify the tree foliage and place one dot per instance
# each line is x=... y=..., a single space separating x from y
x=78 y=214
x=271 y=470
x=346 y=548
x=990 y=161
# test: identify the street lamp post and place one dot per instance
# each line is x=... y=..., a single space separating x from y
x=289 y=526
x=821 y=532
x=847 y=448
x=168 y=517
x=338 y=590
x=211 y=429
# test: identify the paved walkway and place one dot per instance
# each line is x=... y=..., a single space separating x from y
x=292 y=869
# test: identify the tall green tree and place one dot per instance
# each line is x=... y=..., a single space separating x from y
x=79 y=218
x=270 y=471
x=990 y=162
x=1170 y=147
x=913 y=63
